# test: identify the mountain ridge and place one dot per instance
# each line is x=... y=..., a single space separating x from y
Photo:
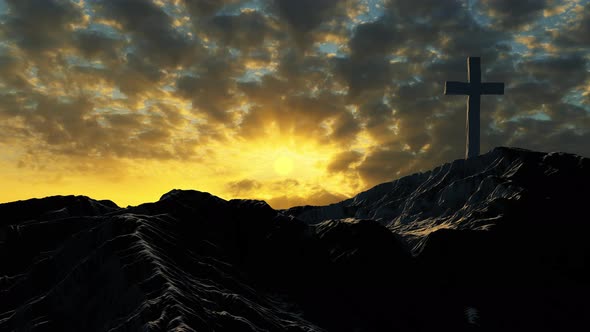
x=451 y=195
x=510 y=254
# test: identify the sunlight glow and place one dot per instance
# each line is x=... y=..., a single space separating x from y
x=283 y=165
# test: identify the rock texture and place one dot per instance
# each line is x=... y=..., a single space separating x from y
x=472 y=194
x=497 y=243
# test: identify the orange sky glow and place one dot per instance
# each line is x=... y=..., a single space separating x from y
x=292 y=102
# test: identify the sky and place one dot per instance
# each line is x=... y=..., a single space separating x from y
x=293 y=102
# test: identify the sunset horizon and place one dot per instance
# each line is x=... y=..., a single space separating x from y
x=292 y=102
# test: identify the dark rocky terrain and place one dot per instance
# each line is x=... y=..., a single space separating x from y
x=496 y=243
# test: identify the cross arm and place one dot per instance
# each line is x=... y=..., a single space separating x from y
x=457 y=88
x=492 y=88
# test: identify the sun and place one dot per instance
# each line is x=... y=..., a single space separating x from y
x=283 y=165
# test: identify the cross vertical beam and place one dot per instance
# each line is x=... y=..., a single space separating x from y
x=473 y=89
x=472 y=122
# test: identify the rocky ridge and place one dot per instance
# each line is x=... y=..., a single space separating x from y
x=498 y=243
x=471 y=194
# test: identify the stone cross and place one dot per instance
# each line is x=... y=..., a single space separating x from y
x=473 y=89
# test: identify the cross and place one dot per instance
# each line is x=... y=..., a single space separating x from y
x=473 y=89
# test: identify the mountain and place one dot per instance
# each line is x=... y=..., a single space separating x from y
x=496 y=243
x=472 y=194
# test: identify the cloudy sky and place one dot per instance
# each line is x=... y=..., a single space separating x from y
x=291 y=101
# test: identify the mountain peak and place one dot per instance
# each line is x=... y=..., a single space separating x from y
x=183 y=194
x=54 y=207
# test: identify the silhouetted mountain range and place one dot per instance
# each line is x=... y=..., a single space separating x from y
x=495 y=243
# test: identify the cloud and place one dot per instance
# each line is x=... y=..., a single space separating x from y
x=285 y=184
x=98 y=45
x=245 y=187
x=436 y=11
x=568 y=75
x=383 y=165
x=205 y=8
x=343 y=161
x=344 y=128
x=549 y=136
x=209 y=95
x=153 y=32
x=38 y=25
x=246 y=32
x=370 y=75
x=136 y=76
x=323 y=115
x=12 y=70
x=374 y=38
x=303 y=16
x=507 y=14
x=575 y=33
x=76 y=131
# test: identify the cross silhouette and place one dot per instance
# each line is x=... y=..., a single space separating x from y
x=474 y=88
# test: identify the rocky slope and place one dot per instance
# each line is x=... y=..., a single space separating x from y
x=499 y=243
x=472 y=194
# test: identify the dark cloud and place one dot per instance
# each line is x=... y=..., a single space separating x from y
x=135 y=76
x=446 y=25
x=426 y=11
x=567 y=114
x=12 y=72
x=307 y=113
x=532 y=95
x=124 y=122
x=71 y=128
x=343 y=161
x=548 y=136
x=345 y=128
x=270 y=88
x=211 y=86
x=375 y=38
x=448 y=135
x=378 y=119
x=246 y=32
x=97 y=45
x=476 y=41
x=245 y=187
x=429 y=22
x=368 y=75
x=153 y=32
x=10 y=105
x=562 y=71
x=304 y=71
x=575 y=34
x=383 y=165
x=507 y=14
x=199 y=8
x=37 y=25
x=305 y=15
x=210 y=92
